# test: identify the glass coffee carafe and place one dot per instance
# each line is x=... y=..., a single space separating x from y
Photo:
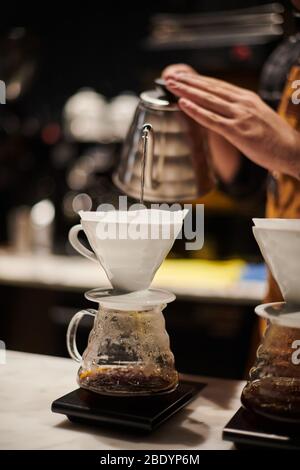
x=128 y=351
x=273 y=389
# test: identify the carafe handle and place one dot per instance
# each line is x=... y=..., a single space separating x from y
x=77 y=245
x=72 y=330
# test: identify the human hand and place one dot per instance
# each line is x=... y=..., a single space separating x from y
x=170 y=70
x=240 y=116
x=225 y=157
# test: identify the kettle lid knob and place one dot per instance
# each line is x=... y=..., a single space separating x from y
x=165 y=93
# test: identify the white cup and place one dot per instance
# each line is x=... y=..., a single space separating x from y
x=129 y=245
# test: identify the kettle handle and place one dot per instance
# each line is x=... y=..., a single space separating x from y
x=147 y=155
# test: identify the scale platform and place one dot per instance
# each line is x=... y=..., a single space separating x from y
x=135 y=413
x=247 y=430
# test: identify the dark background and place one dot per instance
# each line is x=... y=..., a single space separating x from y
x=108 y=49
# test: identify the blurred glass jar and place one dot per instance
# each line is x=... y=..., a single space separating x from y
x=273 y=389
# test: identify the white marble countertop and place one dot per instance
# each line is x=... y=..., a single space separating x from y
x=30 y=382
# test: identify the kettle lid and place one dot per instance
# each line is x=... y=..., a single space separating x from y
x=160 y=97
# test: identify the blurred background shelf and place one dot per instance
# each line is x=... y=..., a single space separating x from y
x=232 y=281
x=211 y=324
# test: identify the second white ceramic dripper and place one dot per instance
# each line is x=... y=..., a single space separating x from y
x=279 y=242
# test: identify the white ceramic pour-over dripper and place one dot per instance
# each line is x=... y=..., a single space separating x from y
x=129 y=245
x=280 y=248
x=290 y=224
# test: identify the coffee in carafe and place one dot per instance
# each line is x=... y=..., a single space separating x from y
x=273 y=389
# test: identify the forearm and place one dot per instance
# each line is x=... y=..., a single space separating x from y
x=287 y=159
x=237 y=175
x=226 y=159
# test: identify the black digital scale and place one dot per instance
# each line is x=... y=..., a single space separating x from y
x=135 y=413
x=145 y=414
x=247 y=430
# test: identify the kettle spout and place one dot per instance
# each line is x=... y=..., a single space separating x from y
x=147 y=158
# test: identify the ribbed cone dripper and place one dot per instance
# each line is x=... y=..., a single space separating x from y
x=129 y=245
x=279 y=242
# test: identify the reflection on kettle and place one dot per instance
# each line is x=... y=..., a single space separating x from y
x=173 y=166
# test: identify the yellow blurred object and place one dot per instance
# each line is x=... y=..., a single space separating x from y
x=195 y=272
x=217 y=201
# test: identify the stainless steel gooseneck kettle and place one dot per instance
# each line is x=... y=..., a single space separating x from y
x=176 y=166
